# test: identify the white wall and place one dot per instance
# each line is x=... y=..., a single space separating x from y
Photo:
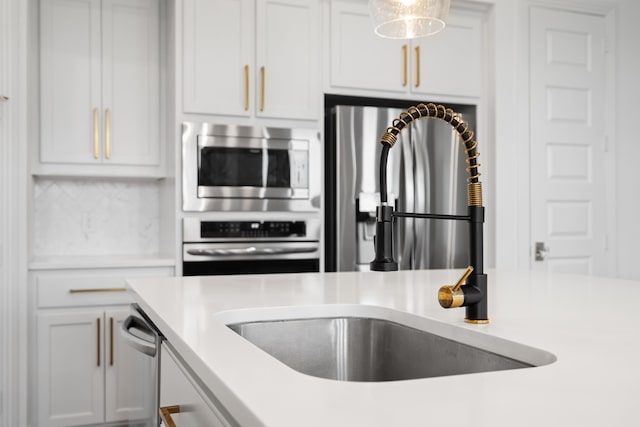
x=13 y=313
x=627 y=143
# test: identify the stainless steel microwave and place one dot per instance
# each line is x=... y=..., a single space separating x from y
x=242 y=168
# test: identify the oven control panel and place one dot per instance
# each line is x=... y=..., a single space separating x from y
x=244 y=229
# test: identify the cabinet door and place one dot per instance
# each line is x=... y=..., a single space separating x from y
x=359 y=58
x=177 y=388
x=70 y=368
x=70 y=81
x=450 y=62
x=129 y=374
x=130 y=82
x=218 y=56
x=287 y=59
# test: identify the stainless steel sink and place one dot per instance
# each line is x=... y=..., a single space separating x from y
x=368 y=349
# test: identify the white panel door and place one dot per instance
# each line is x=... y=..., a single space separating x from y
x=129 y=374
x=130 y=81
x=567 y=91
x=287 y=69
x=70 y=368
x=218 y=56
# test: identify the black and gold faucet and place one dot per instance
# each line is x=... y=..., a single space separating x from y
x=473 y=295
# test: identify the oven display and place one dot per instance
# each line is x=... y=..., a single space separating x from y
x=217 y=229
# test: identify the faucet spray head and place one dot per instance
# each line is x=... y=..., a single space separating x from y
x=383 y=241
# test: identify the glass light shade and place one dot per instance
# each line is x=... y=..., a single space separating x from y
x=407 y=19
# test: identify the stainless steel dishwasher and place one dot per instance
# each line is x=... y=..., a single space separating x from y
x=143 y=336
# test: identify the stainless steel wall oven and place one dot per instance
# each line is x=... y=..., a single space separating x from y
x=241 y=168
x=250 y=247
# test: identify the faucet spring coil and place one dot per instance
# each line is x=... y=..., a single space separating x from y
x=431 y=110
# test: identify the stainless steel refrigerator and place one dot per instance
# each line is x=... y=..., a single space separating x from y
x=426 y=174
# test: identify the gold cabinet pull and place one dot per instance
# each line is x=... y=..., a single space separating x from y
x=107 y=133
x=110 y=341
x=262 y=82
x=98 y=341
x=417 y=50
x=96 y=134
x=246 y=88
x=404 y=65
x=165 y=414
x=92 y=290
x=4 y=98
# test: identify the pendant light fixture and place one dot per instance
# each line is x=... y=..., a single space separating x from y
x=408 y=19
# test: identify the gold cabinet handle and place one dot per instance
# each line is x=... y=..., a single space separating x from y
x=92 y=290
x=417 y=50
x=96 y=134
x=110 y=341
x=262 y=82
x=404 y=65
x=107 y=133
x=246 y=88
x=98 y=341
x=4 y=98
x=165 y=414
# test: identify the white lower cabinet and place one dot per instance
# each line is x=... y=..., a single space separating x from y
x=85 y=373
x=182 y=398
x=70 y=368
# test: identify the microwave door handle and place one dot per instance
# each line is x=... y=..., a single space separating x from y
x=251 y=250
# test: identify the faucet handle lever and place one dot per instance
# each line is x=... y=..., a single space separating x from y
x=463 y=279
x=450 y=296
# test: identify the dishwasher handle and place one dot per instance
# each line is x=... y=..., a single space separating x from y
x=146 y=341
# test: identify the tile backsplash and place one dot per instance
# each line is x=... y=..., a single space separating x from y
x=95 y=217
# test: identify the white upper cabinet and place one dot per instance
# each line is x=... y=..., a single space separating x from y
x=450 y=62
x=447 y=63
x=99 y=87
x=251 y=58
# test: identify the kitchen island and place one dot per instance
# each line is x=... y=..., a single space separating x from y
x=588 y=324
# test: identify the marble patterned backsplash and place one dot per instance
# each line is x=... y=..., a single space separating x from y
x=95 y=217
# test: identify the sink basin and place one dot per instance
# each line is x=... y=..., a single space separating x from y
x=374 y=349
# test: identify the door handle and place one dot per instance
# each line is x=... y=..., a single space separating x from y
x=262 y=89
x=246 y=87
x=165 y=414
x=145 y=342
x=96 y=134
x=110 y=341
x=541 y=251
x=417 y=50
x=107 y=134
x=98 y=342
x=405 y=60
x=251 y=250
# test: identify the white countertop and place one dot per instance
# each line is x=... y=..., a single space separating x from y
x=100 y=261
x=590 y=325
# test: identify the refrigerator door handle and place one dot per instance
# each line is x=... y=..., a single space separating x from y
x=421 y=159
x=406 y=226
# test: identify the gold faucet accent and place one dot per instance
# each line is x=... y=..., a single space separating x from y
x=452 y=296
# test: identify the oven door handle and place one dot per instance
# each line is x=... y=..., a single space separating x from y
x=251 y=250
